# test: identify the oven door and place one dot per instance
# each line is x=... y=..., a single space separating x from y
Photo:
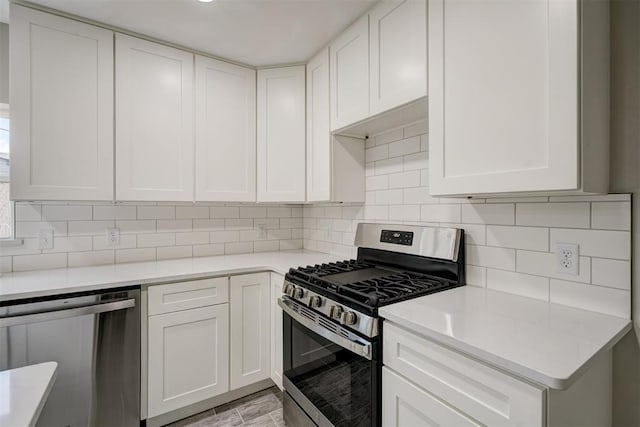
x=332 y=375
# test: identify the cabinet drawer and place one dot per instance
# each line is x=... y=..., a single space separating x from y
x=405 y=404
x=483 y=393
x=185 y=295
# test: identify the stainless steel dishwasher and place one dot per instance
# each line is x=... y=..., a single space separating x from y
x=95 y=338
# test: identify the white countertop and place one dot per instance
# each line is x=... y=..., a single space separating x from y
x=23 y=393
x=550 y=344
x=50 y=282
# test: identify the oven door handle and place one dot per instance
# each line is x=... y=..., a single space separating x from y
x=357 y=346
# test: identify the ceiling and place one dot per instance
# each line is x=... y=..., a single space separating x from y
x=254 y=32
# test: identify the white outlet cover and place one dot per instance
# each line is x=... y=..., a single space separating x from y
x=45 y=239
x=567 y=257
x=113 y=236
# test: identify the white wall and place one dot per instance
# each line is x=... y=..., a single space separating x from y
x=510 y=242
x=148 y=232
x=625 y=158
x=4 y=63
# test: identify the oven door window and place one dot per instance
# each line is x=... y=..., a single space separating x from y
x=337 y=381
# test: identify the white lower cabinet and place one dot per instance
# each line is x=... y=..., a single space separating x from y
x=405 y=404
x=276 y=330
x=250 y=329
x=188 y=357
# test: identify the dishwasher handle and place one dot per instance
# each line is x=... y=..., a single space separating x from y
x=46 y=316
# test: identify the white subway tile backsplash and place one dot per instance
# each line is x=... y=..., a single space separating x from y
x=406 y=146
x=253 y=212
x=238 y=248
x=415 y=161
x=487 y=256
x=532 y=238
x=89 y=228
x=289 y=245
x=136 y=226
x=114 y=212
x=476 y=276
x=377 y=182
x=389 y=197
x=224 y=236
x=238 y=223
x=279 y=212
x=614 y=302
x=83 y=259
x=71 y=244
x=208 y=224
x=544 y=264
x=174 y=225
x=404 y=179
x=611 y=273
x=570 y=215
x=6 y=264
x=499 y=214
x=192 y=238
x=387 y=137
x=67 y=212
x=174 y=252
x=404 y=213
x=225 y=212
x=266 y=245
x=597 y=243
x=28 y=212
x=135 y=255
x=522 y=284
x=156 y=212
x=192 y=212
x=208 y=250
x=376 y=153
x=39 y=262
x=127 y=241
x=611 y=215
x=419 y=195
x=290 y=223
x=417 y=128
x=387 y=166
x=153 y=240
x=32 y=228
x=440 y=213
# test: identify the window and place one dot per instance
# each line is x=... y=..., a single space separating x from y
x=6 y=205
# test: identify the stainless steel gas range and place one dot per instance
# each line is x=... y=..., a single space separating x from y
x=332 y=333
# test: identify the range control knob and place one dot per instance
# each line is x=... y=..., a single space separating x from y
x=335 y=312
x=298 y=293
x=291 y=291
x=349 y=318
x=315 y=301
x=287 y=288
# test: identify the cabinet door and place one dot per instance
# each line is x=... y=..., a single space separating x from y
x=225 y=132
x=349 y=75
x=250 y=329
x=61 y=108
x=397 y=53
x=188 y=357
x=503 y=96
x=318 y=129
x=154 y=121
x=404 y=404
x=276 y=330
x=281 y=135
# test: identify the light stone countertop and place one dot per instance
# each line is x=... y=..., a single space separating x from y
x=23 y=393
x=65 y=280
x=547 y=343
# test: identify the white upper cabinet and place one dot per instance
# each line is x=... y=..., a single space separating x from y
x=518 y=96
x=398 y=53
x=281 y=134
x=349 y=75
x=225 y=131
x=154 y=121
x=61 y=108
x=318 y=129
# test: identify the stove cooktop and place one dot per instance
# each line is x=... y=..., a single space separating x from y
x=365 y=284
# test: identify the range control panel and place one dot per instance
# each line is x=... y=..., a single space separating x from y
x=397 y=237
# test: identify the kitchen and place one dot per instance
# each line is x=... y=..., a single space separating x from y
x=198 y=189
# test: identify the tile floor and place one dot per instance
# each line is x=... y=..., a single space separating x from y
x=261 y=409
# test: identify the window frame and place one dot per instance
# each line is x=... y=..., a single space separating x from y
x=4 y=113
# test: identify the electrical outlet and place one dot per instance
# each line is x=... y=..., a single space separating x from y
x=113 y=236
x=262 y=231
x=45 y=239
x=567 y=258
